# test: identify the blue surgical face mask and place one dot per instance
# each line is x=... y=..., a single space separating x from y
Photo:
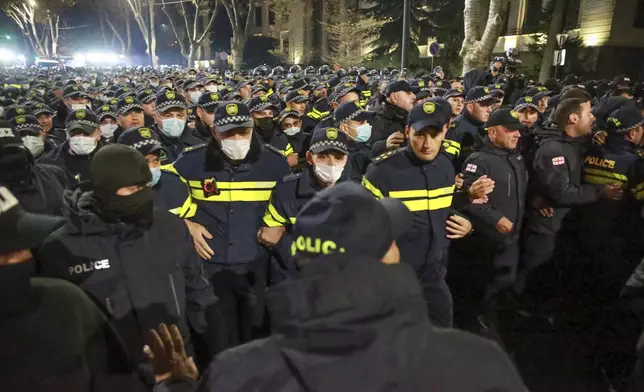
x=156 y=175
x=363 y=133
x=173 y=127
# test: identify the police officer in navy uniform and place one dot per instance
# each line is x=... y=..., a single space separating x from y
x=355 y=122
x=171 y=118
x=83 y=141
x=129 y=114
x=468 y=128
x=483 y=266
x=225 y=186
x=33 y=136
x=423 y=178
x=39 y=187
x=107 y=118
x=611 y=245
x=136 y=261
x=206 y=115
x=289 y=121
x=45 y=116
x=148 y=98
x=326 y=159
x=262 y=110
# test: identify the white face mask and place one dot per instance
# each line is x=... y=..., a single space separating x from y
x=77 y=106
x=235 y=149
x=194 y=96
x=85 y=85
x=328 y=174
x=35 y=144
x=107 y=130
x=292 y=131
x=41 y=91
x=82 y=145
x=154 y=84
x=212 y=88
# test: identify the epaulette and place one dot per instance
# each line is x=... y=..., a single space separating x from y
x=192 y=148
x=387 y=155
x=274 y=149
x=291 y=177
x=169 y=168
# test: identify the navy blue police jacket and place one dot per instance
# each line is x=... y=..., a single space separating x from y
x=141 y=276
x=228 y=198
x=427 y=189
x=462 y=136
x=321 y=341
x=175 y=146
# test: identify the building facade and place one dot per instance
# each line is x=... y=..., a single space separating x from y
x=611 y=34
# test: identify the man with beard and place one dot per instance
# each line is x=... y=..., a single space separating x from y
x=134 y=260
x=37 y=186
x=391 y=118
x=261 y=109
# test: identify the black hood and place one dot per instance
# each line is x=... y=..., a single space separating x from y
x=84 y=218
x=351 y=312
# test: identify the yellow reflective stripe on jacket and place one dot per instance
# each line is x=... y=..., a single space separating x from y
x=429 y=204
x=616 y=177
x=638 y=191
x=452 y=147
x=272 y=218
x=428 y=199
x=288 y=150
x=232 y=195
x=237 y=185
x=371 y=188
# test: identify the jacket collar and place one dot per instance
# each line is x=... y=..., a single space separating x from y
x=472 y=120
x=488 y=146
x=307 y=186
x=394 y=113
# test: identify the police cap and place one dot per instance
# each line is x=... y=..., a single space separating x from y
x=507 y=118
x=334 y=222
x=434 y=112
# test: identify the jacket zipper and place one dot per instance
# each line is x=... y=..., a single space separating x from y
x=174 y=294
x=509 y=184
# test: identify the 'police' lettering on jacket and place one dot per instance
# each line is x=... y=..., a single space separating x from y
x=601 y=162
x=314 y=245
x=89 y=267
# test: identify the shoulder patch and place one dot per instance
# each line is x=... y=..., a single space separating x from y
x=471 y=168
x=274 y=149
x=291 y=177
x=387 y=155
x=192 y=148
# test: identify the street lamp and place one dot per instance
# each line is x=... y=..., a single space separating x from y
x=32 y=3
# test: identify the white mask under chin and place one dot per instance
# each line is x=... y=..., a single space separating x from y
x=235 y=149
x=292 y=131
x=327 y=173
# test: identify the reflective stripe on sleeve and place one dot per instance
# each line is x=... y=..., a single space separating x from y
x=371 y=188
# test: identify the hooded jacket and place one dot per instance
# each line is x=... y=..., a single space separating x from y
x=141 y=275
x=55 y=339
x=349 y=323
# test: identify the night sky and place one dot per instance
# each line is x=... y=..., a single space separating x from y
x=85 y=35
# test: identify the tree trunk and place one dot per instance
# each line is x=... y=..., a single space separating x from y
x=103 y=33
x=556 y=25
x=237 y=50
x=153 y=35
x=476 y=50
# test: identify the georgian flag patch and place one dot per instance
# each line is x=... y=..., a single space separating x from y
x=558 y=161
x=471 y=168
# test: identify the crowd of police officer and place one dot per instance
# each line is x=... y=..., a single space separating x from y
x=181 y=191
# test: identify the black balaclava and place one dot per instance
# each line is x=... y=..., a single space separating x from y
x=265 y=127
x=117 y=166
